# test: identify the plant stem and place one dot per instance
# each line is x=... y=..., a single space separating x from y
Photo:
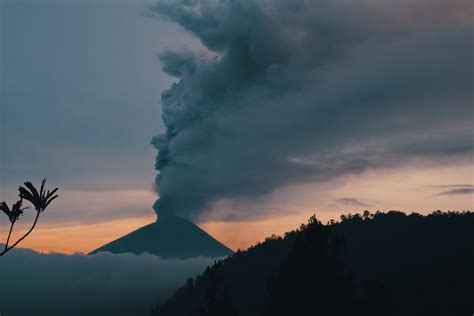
x=9 y=234
x=24 y=236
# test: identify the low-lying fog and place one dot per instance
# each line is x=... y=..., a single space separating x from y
x=101 y=284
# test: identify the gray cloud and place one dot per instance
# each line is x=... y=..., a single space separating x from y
x=79 y=86
x=457 y=191
x=453 y=186
x=296 y=91
x=80 y=83
x=352 y=202
x=102 y=284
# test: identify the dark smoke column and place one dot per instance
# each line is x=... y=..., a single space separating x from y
x=303 y=91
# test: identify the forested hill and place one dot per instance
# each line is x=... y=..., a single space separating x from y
x=371 y=264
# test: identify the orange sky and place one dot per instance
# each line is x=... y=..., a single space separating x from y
x=410 y=189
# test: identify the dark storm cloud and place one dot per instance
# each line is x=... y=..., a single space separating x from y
x=102 y=284
x=295 y=91
x=352 y=202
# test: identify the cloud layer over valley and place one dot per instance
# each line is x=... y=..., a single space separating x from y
x=102 y=284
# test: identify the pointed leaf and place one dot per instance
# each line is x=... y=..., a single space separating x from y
x=32 y=188
x=16 y=205
x=4 y=207
x=42 y=187
x=24 y=193
x=51 y=200
x=51 y=193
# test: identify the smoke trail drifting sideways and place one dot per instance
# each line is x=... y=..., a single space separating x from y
x=303 y=90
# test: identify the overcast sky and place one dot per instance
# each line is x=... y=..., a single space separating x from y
x=80 y=92
x=81 y=84
x=80 y=102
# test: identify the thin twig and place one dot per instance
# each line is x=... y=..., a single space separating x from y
x=24 y=236
x=9 y=234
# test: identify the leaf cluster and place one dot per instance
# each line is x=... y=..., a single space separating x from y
x=40 y=201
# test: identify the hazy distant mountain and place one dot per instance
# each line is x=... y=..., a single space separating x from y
x=171 y=237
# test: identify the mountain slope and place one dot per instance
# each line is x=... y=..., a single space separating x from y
x=171 y=237
x=375 y=264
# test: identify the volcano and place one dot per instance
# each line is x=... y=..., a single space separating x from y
x=170 y=237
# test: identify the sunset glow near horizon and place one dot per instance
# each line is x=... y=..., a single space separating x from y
x=84 y=118
x=420 y=196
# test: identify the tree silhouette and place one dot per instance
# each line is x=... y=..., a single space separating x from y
x=40 y=201
x=370 y=264
x=313 y=279
x=217 y=300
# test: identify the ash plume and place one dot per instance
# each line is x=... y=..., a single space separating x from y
x=296 y=91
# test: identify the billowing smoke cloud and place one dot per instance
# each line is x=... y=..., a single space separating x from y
x=102 y=284
x=295 y=91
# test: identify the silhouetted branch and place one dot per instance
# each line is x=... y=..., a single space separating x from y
x=9 y=235
x=40 y=200
x=7 y=249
